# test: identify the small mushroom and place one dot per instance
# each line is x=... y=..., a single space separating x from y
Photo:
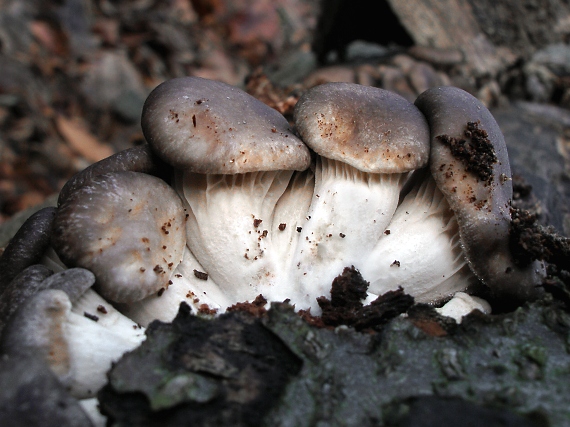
x=39 y=337
x=234 y=158
x=127 y=228
x=79 y=350
x=470 y=165
x=461 y=305
x=368 y=141
x=74 y=281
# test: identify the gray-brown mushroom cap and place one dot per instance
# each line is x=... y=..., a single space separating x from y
x=206 y=126
x=127 y=228
x=74 y=282
x=369 y=128
x=470 y=165
x=134 y=159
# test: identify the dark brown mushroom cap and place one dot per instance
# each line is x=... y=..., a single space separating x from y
x=369 y=128
x=27 y=246
x=128 y=228
x=470 y=165
x=206 y=126
x=135 y=159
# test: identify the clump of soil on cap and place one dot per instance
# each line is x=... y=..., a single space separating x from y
x=475 y=151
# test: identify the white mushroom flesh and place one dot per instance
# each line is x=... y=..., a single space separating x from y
x=348 y=214
x=420 y=250
x=93 y=348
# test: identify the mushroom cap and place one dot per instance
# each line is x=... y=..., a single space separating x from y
x=135 y=159
x=74 y=282
x=206 y=126
x=30 y=278
x=37 y=328
x=467 y=182
x=369 y=128
x=128 y=228
x=470 y=165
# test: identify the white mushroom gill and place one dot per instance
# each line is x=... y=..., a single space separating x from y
x=243 y=230
x=230 y=228
x=94 y=343
x=421 y=248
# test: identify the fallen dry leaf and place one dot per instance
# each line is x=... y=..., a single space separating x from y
x=83 y=142
x=53 y=40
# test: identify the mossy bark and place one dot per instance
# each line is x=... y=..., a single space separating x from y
x=512 y=369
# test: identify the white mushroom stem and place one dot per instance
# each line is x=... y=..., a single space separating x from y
x=462 y=304
x=97 y=335
x=190 y=284
x=230 y=226
x=348 y=214
x=420 y=250
x=93 y=348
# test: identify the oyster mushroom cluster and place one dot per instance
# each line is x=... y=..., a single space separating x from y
x=228 y=201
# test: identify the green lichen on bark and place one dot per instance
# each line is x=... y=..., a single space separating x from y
x=512 y=368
